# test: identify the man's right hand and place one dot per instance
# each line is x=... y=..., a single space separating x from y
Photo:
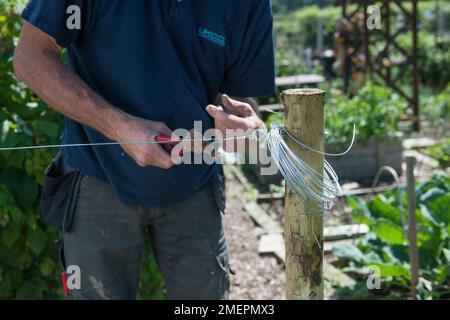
x=141 y=130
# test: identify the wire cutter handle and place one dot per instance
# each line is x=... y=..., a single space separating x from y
x=168 y=140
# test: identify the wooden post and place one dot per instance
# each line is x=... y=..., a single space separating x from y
x=412 y=229
x=304 y=113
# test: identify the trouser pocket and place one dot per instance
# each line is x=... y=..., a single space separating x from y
x=218 y=188
x=224 y=272
x=218 y=191
x=59 y=194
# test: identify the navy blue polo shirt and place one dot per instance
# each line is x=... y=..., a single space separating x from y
x=162 y=60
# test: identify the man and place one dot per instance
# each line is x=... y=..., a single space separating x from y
x=135 y=70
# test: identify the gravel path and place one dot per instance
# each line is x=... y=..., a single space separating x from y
x=256 y=277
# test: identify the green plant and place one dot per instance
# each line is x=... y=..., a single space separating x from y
x=151 y=284
x=375 y=110
x=289 y=5
x=288 y=63
x=431 y=13
x=275 y=118
x=436 y=109
x=433 y=56
x=28 y=257
x=29 y=263
x=440 y=152
x=434 y=60
x=300 y=26
x=386 y=247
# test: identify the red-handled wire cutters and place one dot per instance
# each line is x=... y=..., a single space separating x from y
x=168 y=143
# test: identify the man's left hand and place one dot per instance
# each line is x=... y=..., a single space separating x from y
x=237 y=115
x=236 y=118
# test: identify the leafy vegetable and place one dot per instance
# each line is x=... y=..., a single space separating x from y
x=440 y=152
x=386 y=245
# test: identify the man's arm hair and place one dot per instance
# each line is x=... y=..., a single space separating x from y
x=37 y=62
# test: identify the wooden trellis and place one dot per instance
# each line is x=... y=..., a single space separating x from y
x=384 y=59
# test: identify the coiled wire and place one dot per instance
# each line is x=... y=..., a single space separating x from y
x=316 y=191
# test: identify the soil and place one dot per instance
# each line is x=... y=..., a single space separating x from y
x=256 y=277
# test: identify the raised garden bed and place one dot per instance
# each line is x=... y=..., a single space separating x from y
x=366 y=158
x=360 y=164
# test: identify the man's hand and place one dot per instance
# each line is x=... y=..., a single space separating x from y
x=238 y=117
x=141 y=130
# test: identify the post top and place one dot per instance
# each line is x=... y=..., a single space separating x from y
x=303 y=91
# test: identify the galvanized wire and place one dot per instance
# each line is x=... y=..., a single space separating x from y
x=103 y=144
x=316 y=191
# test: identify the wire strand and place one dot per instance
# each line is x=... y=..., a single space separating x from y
x=102 y=144
x=316 y=191
x=321 y=152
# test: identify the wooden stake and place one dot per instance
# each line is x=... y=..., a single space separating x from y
x=304 y=113
x=412 y=228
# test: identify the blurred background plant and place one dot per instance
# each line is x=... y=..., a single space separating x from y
x=440 y=152
x=29 y=263
x=289 y=62
x=386 y=245
x=28 y=255
x=375 y=110
x=436 y=110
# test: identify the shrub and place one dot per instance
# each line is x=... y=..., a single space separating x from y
x=375 y=110
x=434 y=60
x=436 y=110
x=440 y=152
x=300 y=26
x=28 y=257
x=29 y=263
x=289 y=63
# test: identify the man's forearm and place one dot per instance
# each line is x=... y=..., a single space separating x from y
x=66 y=93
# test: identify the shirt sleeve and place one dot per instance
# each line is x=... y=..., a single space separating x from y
x=57 y=18
x=252 y=73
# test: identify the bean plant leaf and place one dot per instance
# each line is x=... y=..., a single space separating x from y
x=392 y=270
x=360 y=211
x=349 y=252
x=36 y=241
x=388 y=231
x=46 y=128
x=381 y=208
x=438 y=203
x=23 y=187
x=47 y=266
x=386 y=246
x=10 y=234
